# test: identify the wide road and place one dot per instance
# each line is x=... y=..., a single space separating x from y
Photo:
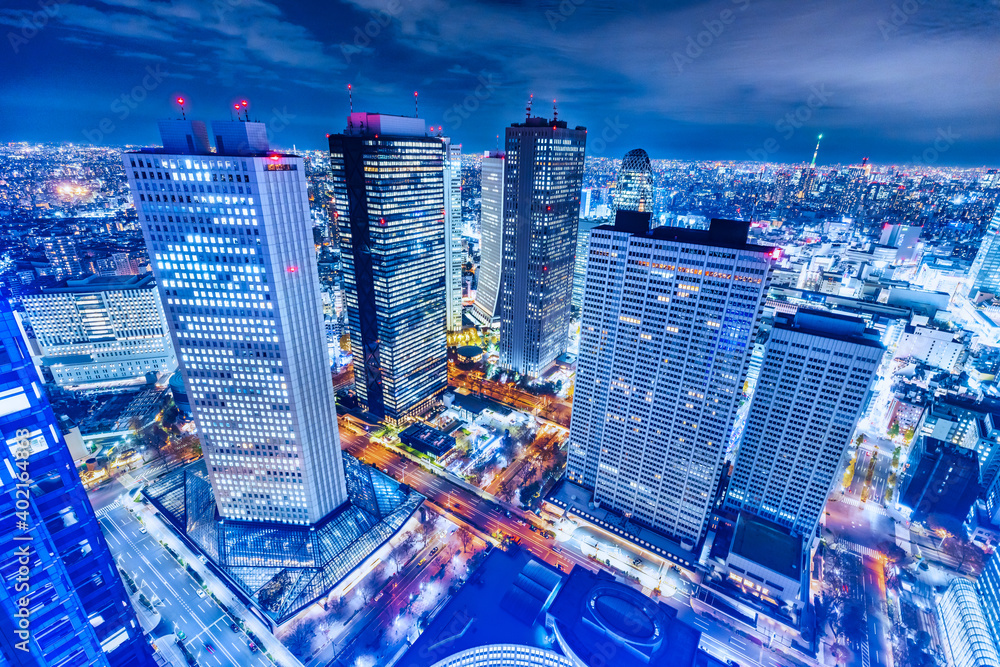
x=161 y=578
x=487 y=516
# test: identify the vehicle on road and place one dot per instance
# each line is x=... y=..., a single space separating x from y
x=434 y=550
x=201 y=593
x=209 y=648
x=422 y=561
x=202 y=559
x=143 y=530
x=253 y=647
x=234 y=627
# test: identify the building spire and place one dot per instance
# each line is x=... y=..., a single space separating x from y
x=816 y=152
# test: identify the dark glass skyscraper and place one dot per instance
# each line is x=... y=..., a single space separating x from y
x=60 y=584
x=984 y=276
x=389 y=191
x=542 y=180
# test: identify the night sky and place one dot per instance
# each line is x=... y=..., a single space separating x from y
x=726 y=79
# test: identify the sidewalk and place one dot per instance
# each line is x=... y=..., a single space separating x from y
x=159 y=530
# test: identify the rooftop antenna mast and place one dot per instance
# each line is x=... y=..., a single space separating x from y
x=350 y=96
x=180 y=102
x=555 y=111
x=527 y=109
x=816 y=152
x=416 y=110
x=246 y=111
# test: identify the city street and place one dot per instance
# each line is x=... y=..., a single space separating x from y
x=175 y=594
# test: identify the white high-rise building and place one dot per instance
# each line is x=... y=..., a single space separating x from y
x=230 y=242
x=669 y=316
x=453 y=234
x=101 y=329
x=491 y=240
x=817 y=370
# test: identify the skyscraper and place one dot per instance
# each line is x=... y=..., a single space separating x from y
x=542 y=183
x=814 y=379
x=491 y=219
x=230 y=243
x=70 y=593
x=101 y=329
x=984 y=276
x=453 y=234
x=634 y=183
x=390 y=199
x=669 y=316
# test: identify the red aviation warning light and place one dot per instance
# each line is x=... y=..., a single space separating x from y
x=293 y=269
x=776 y=254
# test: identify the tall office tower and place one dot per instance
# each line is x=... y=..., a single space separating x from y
x=542 y=184
x=634 y=183
x=669 y=317
x=230 y=243
x=77 y=609
x=388 y=183
x=101 y=329
x=453 y=235
x=814 y=379
x=61 y=253
x=491 y=237
x=984 y=276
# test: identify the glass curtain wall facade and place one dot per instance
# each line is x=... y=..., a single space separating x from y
x=634 y=183
x=669 y=316
x=985 y=272
x=389 y=198
x=542 y=184
x=54 y=560
x=230 y=242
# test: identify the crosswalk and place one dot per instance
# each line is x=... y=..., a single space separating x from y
x=869 y=506
x=860 y=549
x=107 y=508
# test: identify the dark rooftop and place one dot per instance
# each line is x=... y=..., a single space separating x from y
x=768 y=545
x=732 y=234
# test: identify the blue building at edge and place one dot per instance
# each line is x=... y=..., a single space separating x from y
x=78 y=613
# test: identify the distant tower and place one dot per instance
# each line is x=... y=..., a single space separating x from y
x=816 y=152
x=491 y=241
x=984 y=276
x=634 y=184
x=453 y=234
x=542 y=184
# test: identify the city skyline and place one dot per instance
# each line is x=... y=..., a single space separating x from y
x=701 y=97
